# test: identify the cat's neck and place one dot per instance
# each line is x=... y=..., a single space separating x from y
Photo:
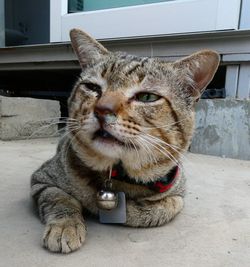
x=150 y=171
x=147 y=171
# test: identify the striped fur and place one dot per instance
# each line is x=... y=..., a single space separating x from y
x=152 y=138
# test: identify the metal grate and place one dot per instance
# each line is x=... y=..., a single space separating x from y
x=216 y=88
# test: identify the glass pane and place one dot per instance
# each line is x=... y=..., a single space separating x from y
x=90 y=5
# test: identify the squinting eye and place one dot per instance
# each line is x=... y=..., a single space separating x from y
x=146 y=97
x=93 y=87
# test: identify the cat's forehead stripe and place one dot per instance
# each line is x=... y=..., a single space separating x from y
x=118 y=70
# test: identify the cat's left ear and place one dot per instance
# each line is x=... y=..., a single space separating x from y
x=198 y=70
x=87 y=49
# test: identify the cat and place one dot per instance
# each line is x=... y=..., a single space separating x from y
x=132 y=114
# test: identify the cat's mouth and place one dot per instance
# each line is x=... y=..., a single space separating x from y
x=105 y=137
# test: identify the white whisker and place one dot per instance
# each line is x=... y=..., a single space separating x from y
x=161 y=149
x=139 y=158
x=144 y=144
x=173 y=147
x=164 y=126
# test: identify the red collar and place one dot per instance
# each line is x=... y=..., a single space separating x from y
x=162 y=185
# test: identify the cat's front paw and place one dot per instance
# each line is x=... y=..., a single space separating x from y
x=152 y=214
x=64 y=235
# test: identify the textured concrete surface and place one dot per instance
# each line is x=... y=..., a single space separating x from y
x=22 y=117
x=223 y=128
x=213 y=229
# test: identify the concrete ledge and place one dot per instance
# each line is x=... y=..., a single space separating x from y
x=223 y=128
x=27 y=117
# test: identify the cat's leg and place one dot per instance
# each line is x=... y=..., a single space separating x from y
x=65 y=228
x=153 y=213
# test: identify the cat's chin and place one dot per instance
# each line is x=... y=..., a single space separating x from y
x=109 y=148
x=107 y=144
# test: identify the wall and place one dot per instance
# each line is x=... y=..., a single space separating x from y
x=245 y=18
x=223 y=128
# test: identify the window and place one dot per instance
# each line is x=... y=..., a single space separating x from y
x=90 y=5
x=142 y=18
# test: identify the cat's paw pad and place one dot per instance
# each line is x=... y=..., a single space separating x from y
x=64 y=235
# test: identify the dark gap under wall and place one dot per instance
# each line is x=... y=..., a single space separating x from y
x=57 y=84
x=216 y=88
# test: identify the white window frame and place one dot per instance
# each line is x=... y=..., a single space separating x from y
x=173 y=17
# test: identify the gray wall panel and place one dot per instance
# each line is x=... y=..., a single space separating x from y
x=223 y=128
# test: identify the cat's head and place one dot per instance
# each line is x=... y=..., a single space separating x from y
x=138 y=110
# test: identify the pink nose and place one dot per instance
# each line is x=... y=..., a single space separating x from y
x=109 y=104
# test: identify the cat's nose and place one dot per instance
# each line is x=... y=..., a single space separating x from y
x=107 y=105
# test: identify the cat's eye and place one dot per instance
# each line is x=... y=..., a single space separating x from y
x=146 y=97
x=93 y=87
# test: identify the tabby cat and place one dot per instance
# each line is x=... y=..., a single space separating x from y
x=131 y=114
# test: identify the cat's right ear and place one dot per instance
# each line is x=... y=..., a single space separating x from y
x=87 y=49
x=197 y=70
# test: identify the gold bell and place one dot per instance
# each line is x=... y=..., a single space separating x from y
x=107 y=200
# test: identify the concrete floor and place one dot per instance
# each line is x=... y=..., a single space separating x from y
x=213 y=229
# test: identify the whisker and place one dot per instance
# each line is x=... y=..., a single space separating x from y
x=173 y=147
x=146 y=147
x=161 y=149
x=43 y=128
x=163 y=142
x=184 y=158
x=164 y=126
x=139 y=158
x=71 y=138
x=178 y=162
x=157 y=143
x=68 y=131
x=56 y=118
